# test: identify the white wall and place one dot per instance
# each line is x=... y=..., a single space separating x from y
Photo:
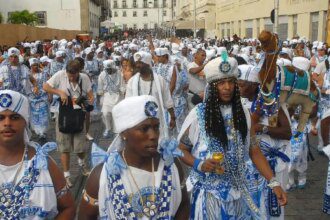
x=140 y=20
x=61 y=14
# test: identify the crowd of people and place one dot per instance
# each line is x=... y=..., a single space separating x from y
x=178 y=112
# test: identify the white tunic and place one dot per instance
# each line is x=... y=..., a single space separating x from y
x=43 y=195
x=144 y=180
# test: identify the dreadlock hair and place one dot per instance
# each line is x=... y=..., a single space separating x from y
x=214 y=122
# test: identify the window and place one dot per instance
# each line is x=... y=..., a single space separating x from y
x=228 y=29
x=174 y=3
x=294 y=25
x=134 y=26
x=314 y=26
x=258 y=27
x=248 y=28
x=124 y=14
x=134 y=14
x=156 y=4
x=134 y=4
x=145 y=26
x=164 y=13
x=164 y=3
x=282 y=27
x=145 y=3
x=42 y=17
x=115 y=4
x=145 y=13
x=268 y=25
x=124 y=5
x=116 y=14
x=155 y=26
x=239 y=28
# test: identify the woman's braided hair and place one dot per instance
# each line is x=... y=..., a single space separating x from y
x=214 y=122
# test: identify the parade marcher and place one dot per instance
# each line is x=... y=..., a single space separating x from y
x=111 y=87
x=179 y=89
x=45 y=64
x=136 y=181
x=299 y=151
x=145 y=82
x=100 y=58
x=58 y=63
x=248 y=84
x=70 y=51
x=319 y=57
x=92 y=70
x=126 y=69
x=65 y=83
x=215 y=140
x=322 y=71
x=196 y=78
x=39 y=105
x=31 y=185
x=15 y=76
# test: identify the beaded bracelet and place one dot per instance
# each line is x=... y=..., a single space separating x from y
x=197 y=163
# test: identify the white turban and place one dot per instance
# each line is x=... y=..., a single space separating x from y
x=247 y=74
x=18 y=103
x=13 y=51
x=144 y=57
x=133 y=110
x=301 y=63
x=220 y=68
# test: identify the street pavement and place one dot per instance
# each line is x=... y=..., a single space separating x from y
x=302 y=203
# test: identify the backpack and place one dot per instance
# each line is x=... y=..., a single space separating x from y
x=70 y=120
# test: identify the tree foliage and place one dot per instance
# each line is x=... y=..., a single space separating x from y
x=23 y=17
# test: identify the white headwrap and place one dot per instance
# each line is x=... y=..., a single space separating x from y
x=144 y=57
x=220 y=68
x=247 y=74
x=16 y=102
x=130 y=112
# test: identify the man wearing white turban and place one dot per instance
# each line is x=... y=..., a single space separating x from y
x=145 y=82
x=27 y=175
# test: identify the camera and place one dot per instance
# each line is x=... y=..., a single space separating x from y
x=82 y=100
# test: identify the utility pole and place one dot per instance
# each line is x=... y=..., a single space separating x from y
x=277 y=7
x=328 y=25
x=194 y=18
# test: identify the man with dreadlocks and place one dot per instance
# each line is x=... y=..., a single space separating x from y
x=216 y=143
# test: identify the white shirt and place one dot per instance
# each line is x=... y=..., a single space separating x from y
x=60 y=81
x=196 y=83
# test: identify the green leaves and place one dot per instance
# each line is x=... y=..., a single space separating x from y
x=23 y=17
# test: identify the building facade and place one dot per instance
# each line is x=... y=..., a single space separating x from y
x=142 y=14
x=203 y=12
x=247 y=18
x=82 y=15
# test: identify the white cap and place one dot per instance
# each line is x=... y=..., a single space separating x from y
x=99 y=51
x=13 y=51
x=133 y=46
x=301 y=63
x=220 y=68
x=247 y=73
x=88 y=50
x=45 y=59
x=161 y=51
x=33 y=61
x=133 y=110
x=144 y=57
x=60 y=53
x=175 y=48
x=109 y=64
